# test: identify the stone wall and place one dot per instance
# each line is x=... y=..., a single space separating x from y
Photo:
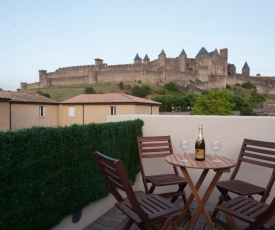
x=160 y=71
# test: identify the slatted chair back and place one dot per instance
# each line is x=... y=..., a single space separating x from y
x=259 y=153
x=116 y=179
x=154 y=147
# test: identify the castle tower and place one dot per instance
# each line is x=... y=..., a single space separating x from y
x=42 y=75
x=182 y=61
x=146 y=60
x=98 y=62
x=203 y=63
x=224 y=56
x=162 y=58
x=137 y=60
x=246 y=70
x=231 y=70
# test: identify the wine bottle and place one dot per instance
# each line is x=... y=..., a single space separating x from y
x=200 y=146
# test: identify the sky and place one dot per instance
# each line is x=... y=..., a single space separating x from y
x=47 y=34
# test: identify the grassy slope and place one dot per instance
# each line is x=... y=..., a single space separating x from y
x=61 y=93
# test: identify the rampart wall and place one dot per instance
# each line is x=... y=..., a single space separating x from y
x=70 y=80
x=160 y=71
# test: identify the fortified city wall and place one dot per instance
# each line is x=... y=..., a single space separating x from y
x=207 y=70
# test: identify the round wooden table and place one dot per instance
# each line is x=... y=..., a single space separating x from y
x=219 y=168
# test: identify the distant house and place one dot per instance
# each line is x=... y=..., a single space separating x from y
x=24 y=110
x=87 y=108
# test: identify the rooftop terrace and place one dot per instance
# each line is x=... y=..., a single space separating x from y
x=231 y=130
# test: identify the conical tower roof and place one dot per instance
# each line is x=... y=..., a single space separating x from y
x=137 y=57
x=162 y=53
x=146 y=58
x=183 y=52
x=202 y=51
x=245 y=66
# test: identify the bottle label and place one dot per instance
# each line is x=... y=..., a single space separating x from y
x=199 y=153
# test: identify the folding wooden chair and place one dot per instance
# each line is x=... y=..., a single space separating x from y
x=155 y=147
x=257 y=214
x=146 y=210
x=253 y=152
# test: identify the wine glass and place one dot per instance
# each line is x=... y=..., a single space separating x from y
x=184 y=145
x=216 y=146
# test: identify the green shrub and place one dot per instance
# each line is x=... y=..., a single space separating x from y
x=171 y=86
x=49 y=173
x=141 y=91
x=248 y=85
x=89 y=90
x=120 y=85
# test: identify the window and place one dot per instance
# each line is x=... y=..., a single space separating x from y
x=41 y=111
x=71 y=111
x=113 y=110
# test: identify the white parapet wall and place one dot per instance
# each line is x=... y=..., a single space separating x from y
x=230 y=130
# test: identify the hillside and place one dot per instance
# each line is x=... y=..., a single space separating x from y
x=61 y=93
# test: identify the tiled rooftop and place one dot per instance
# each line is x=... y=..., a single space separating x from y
x=26 y=97
x=109 y=98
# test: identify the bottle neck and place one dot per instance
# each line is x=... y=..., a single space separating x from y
x=200 y=136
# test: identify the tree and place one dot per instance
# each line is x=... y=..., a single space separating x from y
x=171 y=86
x=247 y=109
x=237 y=101
x=257 y=99
x=175 y=103
x=242 y=105
x=120 y=85
x=213 y=102
x=190 y=101
x=142 y=91
x=89 y=90
x=248 y=85
x=166 y=104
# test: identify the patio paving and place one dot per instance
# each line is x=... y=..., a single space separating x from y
x=114 y=219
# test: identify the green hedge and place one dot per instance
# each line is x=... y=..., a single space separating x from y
x=48 y=173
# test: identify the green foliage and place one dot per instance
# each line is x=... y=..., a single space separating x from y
x=256 y=99
x=213 y=102
x=89 y=90
x=237 y=84
x=160 y=91
x=237 y=101
x=228 y=86
x=242 y=105
x=247 y=109
x=49 y=173
x=120 y=85
x=175 y=103
x=142 y=91
x=43 y=94
x=171 y=86
x=248 y=85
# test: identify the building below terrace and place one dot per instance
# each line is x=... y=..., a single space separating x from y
x=207 y=70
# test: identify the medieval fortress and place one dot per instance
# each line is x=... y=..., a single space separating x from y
x=207 y=70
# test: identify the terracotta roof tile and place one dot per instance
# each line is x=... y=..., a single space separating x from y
x=26 y=97
x=108 y=98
